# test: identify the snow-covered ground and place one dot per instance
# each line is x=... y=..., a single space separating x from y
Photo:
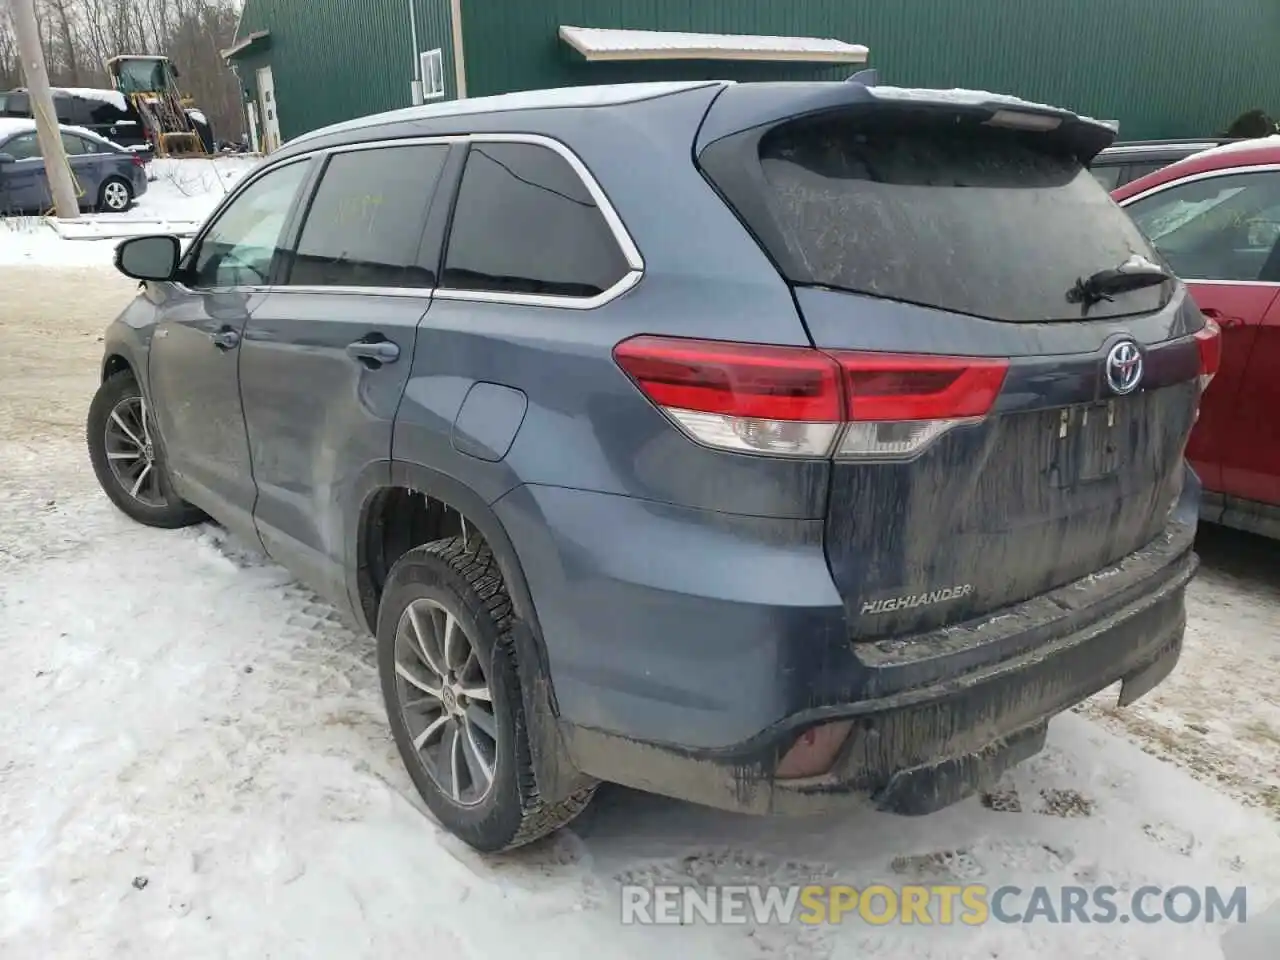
x=182 y=192
x=194 y=760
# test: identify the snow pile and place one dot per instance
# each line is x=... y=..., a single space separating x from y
x=181 y=194
x=196 y=764
x=113 y=97
x=972 y=98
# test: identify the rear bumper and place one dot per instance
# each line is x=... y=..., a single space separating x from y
x=917 y=751
x=700 y=695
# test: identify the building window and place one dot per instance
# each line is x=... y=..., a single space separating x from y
x=432 y=74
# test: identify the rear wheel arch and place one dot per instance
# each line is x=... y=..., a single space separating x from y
x=413 y=505
x=428 y=506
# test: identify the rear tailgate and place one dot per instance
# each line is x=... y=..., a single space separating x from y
x=914 y=229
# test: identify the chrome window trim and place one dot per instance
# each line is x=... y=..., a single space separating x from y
x=1232 y=283
x=1210 y=175
x=1205 y=175
x=630 y=251
x=423 y=293
x=442 y=140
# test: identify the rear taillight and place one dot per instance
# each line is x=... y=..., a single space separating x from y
x=801 y=402
x=137 y=160
x=898 y=404
x=779 y=401
x=1209 y=340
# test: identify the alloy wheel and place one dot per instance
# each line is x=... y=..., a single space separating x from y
x=131 y=453
x=115 y=195
x=445 y=700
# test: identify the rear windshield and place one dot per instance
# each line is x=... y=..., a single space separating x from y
x=971 y=219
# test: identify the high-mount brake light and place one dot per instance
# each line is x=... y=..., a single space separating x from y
x=1023 y=120
x=1209 y=340
x=802 y=402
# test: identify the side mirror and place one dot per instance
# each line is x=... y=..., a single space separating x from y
x=7 y=158
x=149 y=258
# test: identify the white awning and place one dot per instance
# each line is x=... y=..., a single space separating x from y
x=241 y=46
x=600 y=44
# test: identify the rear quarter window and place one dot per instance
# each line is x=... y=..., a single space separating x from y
x=971 y=219
x=525 y=223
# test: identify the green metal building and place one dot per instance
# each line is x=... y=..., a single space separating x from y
x=1162 y=68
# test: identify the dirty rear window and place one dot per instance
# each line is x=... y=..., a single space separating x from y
x=971 y=219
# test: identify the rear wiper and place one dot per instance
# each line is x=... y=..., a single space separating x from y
x=1136 y=273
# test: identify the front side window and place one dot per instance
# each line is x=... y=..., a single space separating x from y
x=241 y=246
x=24 y=147
x=525 y=223
x=1218 y=228
x=364 y=228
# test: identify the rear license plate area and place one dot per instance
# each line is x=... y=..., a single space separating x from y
x=1090 y=441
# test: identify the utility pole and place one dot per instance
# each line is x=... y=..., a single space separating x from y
x=57 y=170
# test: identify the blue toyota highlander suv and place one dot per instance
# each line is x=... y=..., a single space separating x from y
x=772 y=446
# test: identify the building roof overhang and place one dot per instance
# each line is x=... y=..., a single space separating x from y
x=254 y=42
x=596 y=44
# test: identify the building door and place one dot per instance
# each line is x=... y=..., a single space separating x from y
x=267 y=104
x=255 y=143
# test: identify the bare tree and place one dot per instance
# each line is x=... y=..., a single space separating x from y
x=79 y=36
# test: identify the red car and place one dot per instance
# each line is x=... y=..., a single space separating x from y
x=1215 y=218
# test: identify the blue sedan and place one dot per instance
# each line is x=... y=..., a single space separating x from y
x=108 y=177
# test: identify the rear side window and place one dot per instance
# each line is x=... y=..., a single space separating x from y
x=1109 y=176
x=365 y=225
x=1138 y=170
x=76 y=146
x=72 y=111
x=102 y=113
x=526 y=223
x=16 y=105
x=972 y=219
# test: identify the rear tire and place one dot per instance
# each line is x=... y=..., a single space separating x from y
x=450 y=582
x=129 y=465
x=115 y=195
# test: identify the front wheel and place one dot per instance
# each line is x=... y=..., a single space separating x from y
x=446 y=657
x=115 y=195
x=128 y=462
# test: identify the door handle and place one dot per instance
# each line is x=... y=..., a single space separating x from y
x=374 y=351
x=1220 y=318
x=225 y=339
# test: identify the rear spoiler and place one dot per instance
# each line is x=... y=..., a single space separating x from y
x=743 y=107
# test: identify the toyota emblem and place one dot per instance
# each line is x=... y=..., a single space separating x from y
x=1124 y=367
